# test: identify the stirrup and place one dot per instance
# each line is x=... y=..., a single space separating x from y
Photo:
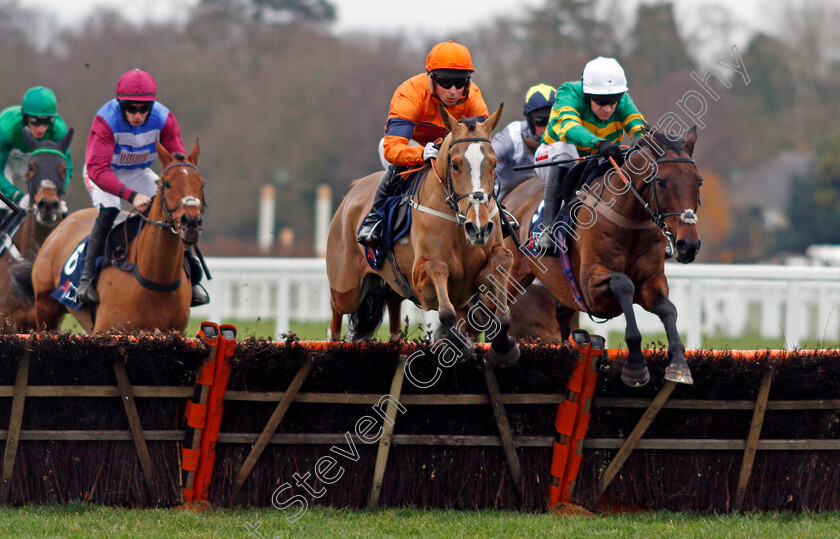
x=199 y=296
x=544 y=243
x=514 y=224
x=370 y=237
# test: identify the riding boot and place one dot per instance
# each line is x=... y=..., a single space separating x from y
x=86 y=291
x=199 y=294
x=546 y=243
x=370 y=233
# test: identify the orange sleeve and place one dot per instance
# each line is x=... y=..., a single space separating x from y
x=408 y=108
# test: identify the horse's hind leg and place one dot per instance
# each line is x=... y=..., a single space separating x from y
x=394 y=303
x=48 y=311
x=635 y=372
x=568 y=319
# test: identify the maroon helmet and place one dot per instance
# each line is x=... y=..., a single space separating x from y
x=136 y=85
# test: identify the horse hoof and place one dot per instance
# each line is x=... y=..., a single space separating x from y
x=679 y=373
x=504 y=359
x=466 y=350
x=635 y=376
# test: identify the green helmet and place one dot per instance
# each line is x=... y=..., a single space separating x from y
x=39 y=101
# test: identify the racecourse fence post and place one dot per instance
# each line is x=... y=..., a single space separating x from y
x=271 y=427
x=127 y=398
x=15 y=423
x=196 y=411
x=215 y=408
x=633 y=439
x=508 y=444
x=582 y=417
x=385 y=441
x=564 y=421
x=752 y=439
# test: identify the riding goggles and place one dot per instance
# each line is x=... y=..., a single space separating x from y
x=605 y=100
x=40 y=120
x=540 y=121
x=449 y=83
x=136 y=108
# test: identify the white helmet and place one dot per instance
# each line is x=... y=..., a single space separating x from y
x=603 y=76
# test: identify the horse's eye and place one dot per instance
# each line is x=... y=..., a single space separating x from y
x=456 y=167
x=661 y=183
x=166 y=184
x=31 y=167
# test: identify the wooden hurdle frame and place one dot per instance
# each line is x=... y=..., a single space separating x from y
x=577 y=442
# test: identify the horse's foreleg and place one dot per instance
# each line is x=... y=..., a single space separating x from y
x=432 y=277
x=494 y=281
x=635 y=372
x=677 y=370
x=334 y=332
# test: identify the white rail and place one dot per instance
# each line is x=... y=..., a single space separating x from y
x=790 y=302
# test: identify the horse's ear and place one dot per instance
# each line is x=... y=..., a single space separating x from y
x=494 y=118
x=29 y=138
x=163 y=154
x=690 y=139
x=193 y=157
x=64 y=143
x=449 y=121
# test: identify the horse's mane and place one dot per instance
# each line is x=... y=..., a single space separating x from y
x=658 y=140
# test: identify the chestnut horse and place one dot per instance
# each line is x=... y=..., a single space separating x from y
x=453 y=250
x=45 y=178
x=617 y=250
x=174 y=222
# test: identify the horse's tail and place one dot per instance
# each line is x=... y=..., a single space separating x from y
x=362 y=324
x=21 y=274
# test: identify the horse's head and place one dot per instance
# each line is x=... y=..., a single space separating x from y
x=45 y=177
x=674 y=187
x=466 y=163
x=179 y=203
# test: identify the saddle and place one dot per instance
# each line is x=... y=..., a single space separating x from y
x=125 y=228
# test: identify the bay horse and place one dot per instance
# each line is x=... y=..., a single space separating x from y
x=617 y=250
x=45 y=178
x=453 y=250
x=174 y=222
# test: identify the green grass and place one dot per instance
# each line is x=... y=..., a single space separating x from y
x=83 y=520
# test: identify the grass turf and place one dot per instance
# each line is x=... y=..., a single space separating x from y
x=85 y=520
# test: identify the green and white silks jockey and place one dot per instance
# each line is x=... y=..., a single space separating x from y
x=38 y=112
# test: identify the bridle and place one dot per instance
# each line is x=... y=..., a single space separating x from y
x=452 y=197
x=189 y=201
x=652 y=206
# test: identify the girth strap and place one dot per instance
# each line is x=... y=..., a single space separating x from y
x=132 y=268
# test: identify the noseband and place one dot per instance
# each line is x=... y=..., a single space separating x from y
x=169 y=224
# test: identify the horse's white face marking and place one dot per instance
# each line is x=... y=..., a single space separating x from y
x=474 y=157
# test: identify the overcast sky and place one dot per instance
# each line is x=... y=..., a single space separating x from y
x=415 y=18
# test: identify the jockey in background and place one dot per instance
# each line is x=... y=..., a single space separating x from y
x=119 y=152
x=414 y=122
x=38 y=113
x=516 y=144
x=589 y=116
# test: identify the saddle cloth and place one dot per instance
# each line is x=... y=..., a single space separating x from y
x=396 y=220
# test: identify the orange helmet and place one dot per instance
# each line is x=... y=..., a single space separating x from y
x=449 y=59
